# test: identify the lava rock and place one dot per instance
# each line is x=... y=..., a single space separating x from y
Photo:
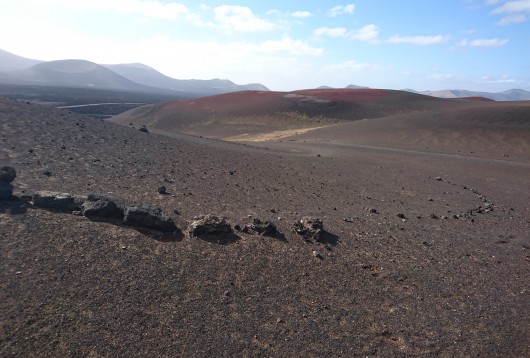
x=209 y=225
x=263 y=228
x=54 y=200
x=7 y=174
x=148 y=217
x=101 y=207
x=143 y=129
x=309 y=228
x=6 y=191
x=162 y=190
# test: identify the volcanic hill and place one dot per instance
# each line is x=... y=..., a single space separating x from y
x=423 y=252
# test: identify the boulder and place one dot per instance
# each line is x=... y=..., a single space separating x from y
x=148 y=217
x=209 y=225
x=309 y=228
x=7 y=174
x=54 y=201
x=101 y=207
x=6 y=191
x=143 y=129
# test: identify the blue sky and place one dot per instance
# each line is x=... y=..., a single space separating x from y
x=287 y=45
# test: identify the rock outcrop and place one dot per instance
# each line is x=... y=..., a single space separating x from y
x=53 y=200
x=209 y=225
x=101 y=207
x=263 y=228
x=148 y=217
x=310 y=228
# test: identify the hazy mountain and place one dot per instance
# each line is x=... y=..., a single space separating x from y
x=348 y=87
x=126 y=77
x=509 y=95
x=74 y=73
x=12 y=62
x=150 y=77
x=355 y=87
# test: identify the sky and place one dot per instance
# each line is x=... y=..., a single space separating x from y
x=481 y=45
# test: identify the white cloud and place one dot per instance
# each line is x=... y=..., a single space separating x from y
x=301 y=14
x=418 y=40
x=494 y=42
x=240 y=19
x=503 y=79
x=351 y=66
x=514 y=6
x=288 y=45
x=368 y=33
x=441 y=77
x=341 y=9
x=147 y=8
x=331 y=31
x=515 y=12
x=512 y=19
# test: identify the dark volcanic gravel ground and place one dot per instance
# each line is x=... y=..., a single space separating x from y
x=384 y=286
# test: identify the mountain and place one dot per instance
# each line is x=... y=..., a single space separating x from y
x=134 y=77
x=76 y=74
x=355 y=86
x=347 y=87
x=148 y=76
x=12 y=62
x=509 y=95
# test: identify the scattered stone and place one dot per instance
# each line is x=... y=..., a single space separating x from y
x=317 y=255
x=143 y=129
x=47 y=173
x=438 y=178
x=209 y=225
x=401 y=216
x=149 y=217
x=373 y=211
x=433 y=216
x=101 y=207
x=7 y=174
x=53 y=200
x=162 y=190
x=309 y=228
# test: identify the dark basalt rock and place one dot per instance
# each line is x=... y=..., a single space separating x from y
x=309 y=228
x=148 y=217
x=54 y=201
x=263 y=228
x=7 y=174
x=209 y=225
x=101 y=207
x=143 y=129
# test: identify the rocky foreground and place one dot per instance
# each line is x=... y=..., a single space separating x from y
x=399 y=253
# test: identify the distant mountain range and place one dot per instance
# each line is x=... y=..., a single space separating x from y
x=509 y=95
x=19 y=70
